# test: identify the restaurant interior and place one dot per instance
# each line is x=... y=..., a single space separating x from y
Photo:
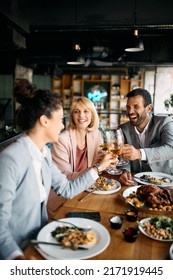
x=69 y=47
x=73 y=46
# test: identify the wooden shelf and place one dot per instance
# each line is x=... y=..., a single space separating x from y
x=116 y=85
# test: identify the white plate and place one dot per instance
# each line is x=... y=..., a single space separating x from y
x=115 y=188
x=130 y=190
x=171 y=252
x=144 y=232
x=156 y=175
x=61 y=253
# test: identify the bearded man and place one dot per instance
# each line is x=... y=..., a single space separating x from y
x=148 y=137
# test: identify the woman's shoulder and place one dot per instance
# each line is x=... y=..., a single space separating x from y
x=15 y=147
x=16 y=154
x=64 y=134
x=95 y=135
x=66 y=137
x=94 y=132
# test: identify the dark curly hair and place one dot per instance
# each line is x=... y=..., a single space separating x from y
x=34 y=103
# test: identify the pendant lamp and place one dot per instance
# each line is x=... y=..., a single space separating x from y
x=135 y=43
x=76 y=57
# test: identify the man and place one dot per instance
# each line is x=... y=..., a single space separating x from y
x=149 y=138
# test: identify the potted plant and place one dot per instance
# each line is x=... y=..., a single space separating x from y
x=169 y=102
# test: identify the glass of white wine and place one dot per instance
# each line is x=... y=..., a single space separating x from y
x=115 y=147
x=122 y=162
x=103 y=147
x=105 y=140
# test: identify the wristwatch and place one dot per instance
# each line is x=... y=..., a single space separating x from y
x=97 y=165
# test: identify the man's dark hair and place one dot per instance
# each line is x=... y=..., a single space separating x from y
x=144 y=93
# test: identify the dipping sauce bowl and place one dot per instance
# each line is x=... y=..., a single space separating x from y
x=116 y=222
x=130 y=234
x=131 y=215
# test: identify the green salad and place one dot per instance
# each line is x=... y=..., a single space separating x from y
x=159 y=228
x=163 y=222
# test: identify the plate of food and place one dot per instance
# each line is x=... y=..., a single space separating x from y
x=157 y=228
x=154 y=178
x=75 y=242
x=150 y=198
x=105 y=186
x=171 y=252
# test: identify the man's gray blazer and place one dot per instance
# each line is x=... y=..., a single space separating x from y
x=158 y=145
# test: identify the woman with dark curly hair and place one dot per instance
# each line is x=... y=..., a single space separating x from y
x=27 y=172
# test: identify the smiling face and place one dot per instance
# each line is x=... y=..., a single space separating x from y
x=138 y=114
x=82 y=116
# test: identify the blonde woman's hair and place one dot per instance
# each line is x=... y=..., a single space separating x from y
x=90 y=105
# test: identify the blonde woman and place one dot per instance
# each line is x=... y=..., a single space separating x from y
x=78 y=146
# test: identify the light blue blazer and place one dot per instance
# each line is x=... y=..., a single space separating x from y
x=21 y=215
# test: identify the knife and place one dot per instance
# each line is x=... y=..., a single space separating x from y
x=37 y=242
x=83 y=197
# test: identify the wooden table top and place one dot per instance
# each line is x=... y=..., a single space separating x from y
x=143 y=248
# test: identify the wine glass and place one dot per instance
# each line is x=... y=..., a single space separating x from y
x=122 y=162
x=115 y=147
x=105 y=140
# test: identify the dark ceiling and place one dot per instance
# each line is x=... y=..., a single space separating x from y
x=43 y=32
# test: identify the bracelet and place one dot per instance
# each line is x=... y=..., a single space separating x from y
x=97 y=165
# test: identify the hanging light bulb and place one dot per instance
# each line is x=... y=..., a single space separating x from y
x=77 y=47
x=76 y=57
x=135 y=43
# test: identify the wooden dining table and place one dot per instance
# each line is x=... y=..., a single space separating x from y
x=144 y=248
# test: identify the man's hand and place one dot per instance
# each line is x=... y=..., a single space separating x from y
x=130 y=153
x=126 y=179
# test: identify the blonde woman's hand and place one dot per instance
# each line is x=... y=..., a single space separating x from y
x=108 y=160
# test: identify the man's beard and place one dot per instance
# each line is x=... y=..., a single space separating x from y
x=138 y=120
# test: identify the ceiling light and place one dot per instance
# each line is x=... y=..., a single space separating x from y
x=135 y=43
x=75 y=62
x=76 y=58
x=77 y=47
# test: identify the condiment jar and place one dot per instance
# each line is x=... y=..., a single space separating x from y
x=130 y=234
x=131 y=215
x=116 y=222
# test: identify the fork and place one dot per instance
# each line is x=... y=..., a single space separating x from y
x=88 y=228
